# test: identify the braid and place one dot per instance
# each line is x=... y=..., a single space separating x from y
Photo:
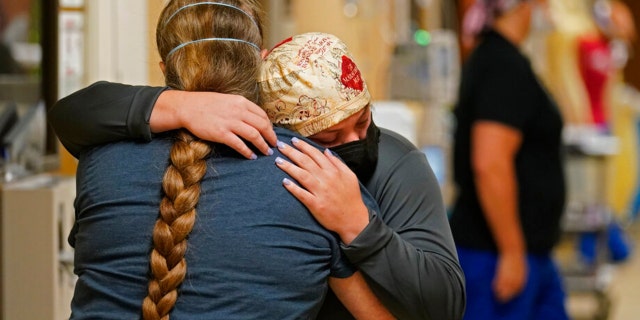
x=219 y=66
x=181 y=185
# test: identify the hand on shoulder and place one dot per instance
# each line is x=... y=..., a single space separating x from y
x=223 y=118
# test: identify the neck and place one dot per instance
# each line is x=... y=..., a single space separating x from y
x=510 y=33
x=513 y=26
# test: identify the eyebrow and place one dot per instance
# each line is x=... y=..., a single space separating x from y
x=364 y=113
x=329 y=131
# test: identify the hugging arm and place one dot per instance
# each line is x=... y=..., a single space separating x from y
x=103 y=112
x=108 y=112
x=406 y=252
x=357 y=297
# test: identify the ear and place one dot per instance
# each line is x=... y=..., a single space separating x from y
x=162 y=67
x=263 y=53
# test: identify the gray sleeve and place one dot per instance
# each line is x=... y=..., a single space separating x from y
x=103 y=112
x=407 y=253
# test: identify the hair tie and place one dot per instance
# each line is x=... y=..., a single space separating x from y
x=210 y=39
x=210 y=3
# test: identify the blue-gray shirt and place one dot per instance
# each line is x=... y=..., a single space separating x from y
x=406 y=252
x=255 y=252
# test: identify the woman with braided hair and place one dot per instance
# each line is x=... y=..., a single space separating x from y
x=225 y=245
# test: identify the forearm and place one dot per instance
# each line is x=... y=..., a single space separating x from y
x=357 y=297
x=407 y=252
x=494 y=151
x=497 y=192
x=412 y=283
x=166 y=115
x=358 y=221
x=103 y=112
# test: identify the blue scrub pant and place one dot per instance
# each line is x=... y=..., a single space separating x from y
x=543 y=297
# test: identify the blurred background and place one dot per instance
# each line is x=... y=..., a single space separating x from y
x=410 y=53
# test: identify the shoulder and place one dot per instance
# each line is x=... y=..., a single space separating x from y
x=394 y=143
x=498 y=74
x=285 y=135
x=496 y=54
x=129 y=152
x=402 y=173
x=394 y=150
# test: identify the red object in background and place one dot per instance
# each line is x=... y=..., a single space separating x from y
x=595 y=62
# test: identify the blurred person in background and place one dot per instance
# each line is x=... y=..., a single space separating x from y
x=508 y=167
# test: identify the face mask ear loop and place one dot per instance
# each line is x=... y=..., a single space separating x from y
x=361 y=155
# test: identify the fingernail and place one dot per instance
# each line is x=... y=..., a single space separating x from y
x=270 y=152
x=253 y=156
x=279 y=160
x=280 y=144
x=286 y=181
x=294 y=140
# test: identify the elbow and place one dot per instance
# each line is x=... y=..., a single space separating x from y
x=455 y=293
x=55 y=116
x=486 y=167
x=58 y=116
x=458 y=295
x=446 y=296
x=460 y=305
x=482 y=168
x=59 y=122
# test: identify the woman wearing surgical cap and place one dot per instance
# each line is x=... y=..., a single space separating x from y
x=509 y=173
x=311 y=84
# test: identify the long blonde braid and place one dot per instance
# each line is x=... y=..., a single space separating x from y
x=226 y=67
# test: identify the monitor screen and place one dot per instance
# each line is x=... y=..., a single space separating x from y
x=24 y=145
x=8 y=117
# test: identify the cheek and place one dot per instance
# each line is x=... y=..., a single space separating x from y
x=353 y=135
x=362 y=134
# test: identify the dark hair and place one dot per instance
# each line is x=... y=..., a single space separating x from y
x=224 y=66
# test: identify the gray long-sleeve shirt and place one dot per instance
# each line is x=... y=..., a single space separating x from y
x=407 y=253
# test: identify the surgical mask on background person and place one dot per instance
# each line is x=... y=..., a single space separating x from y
x=540 y=18
x=361 y=156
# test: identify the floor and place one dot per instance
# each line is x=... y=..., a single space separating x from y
x=622 y=289
x=626 y=284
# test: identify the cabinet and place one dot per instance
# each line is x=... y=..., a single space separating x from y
x=37 y=269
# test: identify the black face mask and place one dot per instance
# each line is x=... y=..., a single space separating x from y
x=361 y=156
